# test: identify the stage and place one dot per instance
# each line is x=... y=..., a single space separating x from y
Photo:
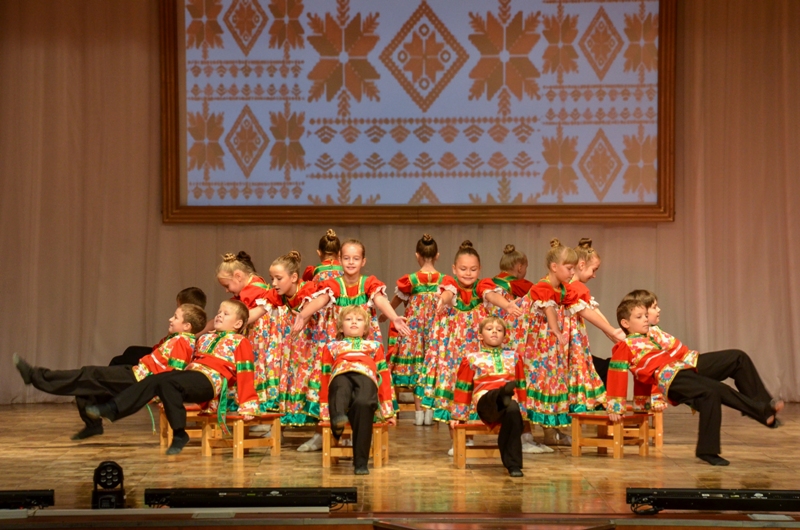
x=420 y=480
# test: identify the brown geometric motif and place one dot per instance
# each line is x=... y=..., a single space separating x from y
x=424 y=193
x=601 y=43
x=642 y=53
x=245 y=93
x=259 y=189
x=343 y=45
x=246 y=20
x=428 y=49
x=560 y=153
x=503 y=195
x=204 y=30
x=612 y=92
x=259 y=68
x=206 y=130
x=641 y=152
x=600 y=165
x=287 y=128
x=560 y=56
x=247 y=141
x=600 y=116
x=286 y=30
x=504 y=44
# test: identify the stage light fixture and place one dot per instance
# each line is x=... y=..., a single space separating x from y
x=645 y=501
x=250 y=497
x=111 y=493
x=26 y=499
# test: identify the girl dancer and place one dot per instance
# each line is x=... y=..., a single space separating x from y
x=328 y=252
x=419 y=291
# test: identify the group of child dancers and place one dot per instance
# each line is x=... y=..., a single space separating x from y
x=500 y=350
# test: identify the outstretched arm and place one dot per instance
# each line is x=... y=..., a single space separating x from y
x=396 y=301
x=598 y=320
x=500 y=301
x=382 y=303
x=445 y=302
x=309 y=309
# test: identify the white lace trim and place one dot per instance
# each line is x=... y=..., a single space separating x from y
x=379 y=290
x=400 y=294
x=326 y=290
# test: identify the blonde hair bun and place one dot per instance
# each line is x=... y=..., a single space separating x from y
x=508 y=249
x=330 y=234
x=555 y=243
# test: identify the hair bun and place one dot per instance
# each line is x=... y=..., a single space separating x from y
x=466 y=244
x=330 y=234
x=227 y=258
x=295 y=255
x=585 y=242
x=555 y=243
x=243 y=256
x=508 y=249
x=427 y=239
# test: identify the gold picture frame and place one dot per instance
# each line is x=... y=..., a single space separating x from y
x=175 y=211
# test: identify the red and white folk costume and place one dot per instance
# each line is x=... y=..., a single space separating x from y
x=586 y=389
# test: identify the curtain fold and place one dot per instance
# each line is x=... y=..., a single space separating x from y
x=87 y=268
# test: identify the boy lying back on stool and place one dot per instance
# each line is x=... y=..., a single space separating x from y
x=224 y=358
x=93 y=384
x=683 y=376
x=487 y=381
x=355 y=382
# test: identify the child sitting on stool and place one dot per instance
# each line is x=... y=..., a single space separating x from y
x=355 y=382
x=223 y=358
x=487 y=380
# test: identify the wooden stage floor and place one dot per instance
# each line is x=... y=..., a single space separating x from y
x=420 y=478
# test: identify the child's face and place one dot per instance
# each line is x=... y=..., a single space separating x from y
x=354 y=325
x=227 y=318
x=563 y=271
x=353 y=259
x=637 y=322
x=493 y=334
x=177 y=324
x=233 y=283
x=586 y=270
x=520 y=270
x=654 y=314
x=282 y=281
x=467 y=268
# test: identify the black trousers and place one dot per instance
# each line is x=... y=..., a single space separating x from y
x=355 y=396
x=131 y=355
x=491 y=410
x=601 y=367
x=173 y=388
x=89 y=385
x=706 y=393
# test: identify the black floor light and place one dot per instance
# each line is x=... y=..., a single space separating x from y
x=108 y=486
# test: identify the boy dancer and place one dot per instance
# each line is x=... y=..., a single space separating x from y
x=93 y=384
x=224 y=358
x=355 y=383
x=487 y=381
x=686 y=377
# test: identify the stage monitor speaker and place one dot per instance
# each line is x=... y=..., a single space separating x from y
x=249 y=497
x=26 y=499
x=651 y=501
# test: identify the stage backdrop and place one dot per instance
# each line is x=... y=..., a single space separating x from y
x=88 y=268
x=504 y=106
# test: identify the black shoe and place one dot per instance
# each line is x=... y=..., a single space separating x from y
x=87 y=432
x=515 y=472
x=24 y=369
x=105 y=410
x=361 y=470
x=714 y=460
x=337 y=425
x=179 y=441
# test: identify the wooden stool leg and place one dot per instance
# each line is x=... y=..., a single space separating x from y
x=276 y=437
x=163 y=429
x=377 y=447
x=576 y=437
x=460 y=448
x=644 y=437
x=385 y=444
x=602 y=432
x=238 y=439
x=205 y=443
x=658 y=421
x=326 y=447
x=618 y=438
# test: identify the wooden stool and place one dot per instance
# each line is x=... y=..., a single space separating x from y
x=241 y=442
x=637 y=424
x=404 y=407
x=333 y=451
x=460 y=450
x=165 y=431
x=656 y=432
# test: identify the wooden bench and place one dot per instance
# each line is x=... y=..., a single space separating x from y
x=636 y=425
x=165 y=431
x=241 y=441
x=460 y=449
x=332 y=450
x=404 y=407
